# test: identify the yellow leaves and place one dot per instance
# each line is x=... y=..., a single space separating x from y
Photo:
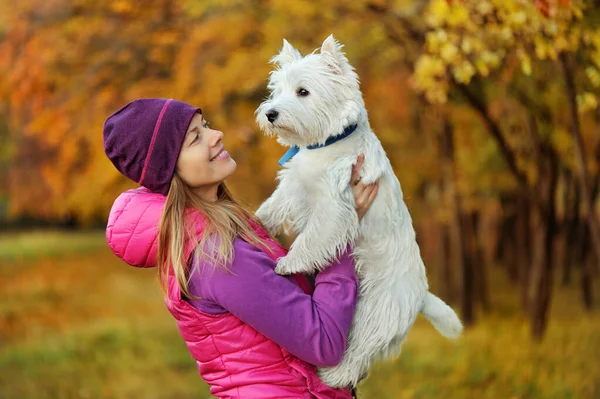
x=552 y=53
x=429 y=73
x=593 y=75
x=551 y=28
x=438 y=94
x=482 y=67
x=561 y=44
x=574 y=38
x=594 y=37
x=430 y=66
x=525 y=61
x=466 y=45
x=506 y=34
x=518 y=19
x=595 y=57
x=437 y=12
x=458 y=16
x=577 y=12
x=449 y=52
x=491 y=58
x=464 y=72
x=478 y=44
x=474 y=37
x=484 y=7
x=487 y=61
x=433 y=40
x=429 y=78
x=541 y=47
x=587 y=101
x=526 y=65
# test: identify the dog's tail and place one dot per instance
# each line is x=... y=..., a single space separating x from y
x=441 y=316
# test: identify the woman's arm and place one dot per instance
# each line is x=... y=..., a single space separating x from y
x=313 y=328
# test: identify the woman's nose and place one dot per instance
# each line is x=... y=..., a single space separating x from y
x=217 y=136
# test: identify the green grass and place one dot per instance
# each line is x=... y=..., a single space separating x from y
x=37 y=244
x=81 y=324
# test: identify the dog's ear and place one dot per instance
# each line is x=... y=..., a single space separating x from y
x=331 y=52
x=287 y=55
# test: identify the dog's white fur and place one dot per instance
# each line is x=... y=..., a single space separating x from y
x=315 y=200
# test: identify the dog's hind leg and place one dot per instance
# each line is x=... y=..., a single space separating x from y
x=378 y=329
x=372 y=330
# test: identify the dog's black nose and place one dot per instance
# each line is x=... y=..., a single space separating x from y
x=272 y=115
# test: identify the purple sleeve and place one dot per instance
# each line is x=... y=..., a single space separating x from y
x=313 y=328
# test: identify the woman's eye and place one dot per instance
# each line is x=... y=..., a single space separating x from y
x=206 y=124
x=196 y=138
x=302 y=92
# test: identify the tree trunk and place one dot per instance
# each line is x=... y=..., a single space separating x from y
x=524 y=243
x=541 y=277
x=572 y=229
x=586 y=196
x=445 y=275
x=508 y=238
x=478 y=263
x=448 y=229
x=595 y=192
x=467 y=288
x=460 y=242
x=587 y=277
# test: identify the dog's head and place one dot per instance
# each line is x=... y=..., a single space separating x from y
x=312 y=97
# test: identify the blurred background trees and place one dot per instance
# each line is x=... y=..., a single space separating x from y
x=488 y=110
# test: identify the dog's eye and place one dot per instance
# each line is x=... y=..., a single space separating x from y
x=302 y=92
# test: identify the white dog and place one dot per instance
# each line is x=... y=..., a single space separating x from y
x=316 y=108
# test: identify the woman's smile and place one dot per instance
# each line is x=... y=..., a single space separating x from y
x=221 y=154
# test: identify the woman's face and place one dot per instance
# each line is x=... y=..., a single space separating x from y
x=203 y=163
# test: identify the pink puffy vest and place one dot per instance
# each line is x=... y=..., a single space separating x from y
x=233 y=358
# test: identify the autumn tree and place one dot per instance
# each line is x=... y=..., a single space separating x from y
x=484 y=52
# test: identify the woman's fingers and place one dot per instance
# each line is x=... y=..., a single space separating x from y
x=362 y=189
x=356 y=169
x=364 y=195
x=367 y=196
x=373 y=193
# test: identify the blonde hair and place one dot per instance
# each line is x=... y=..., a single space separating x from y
x=225 y=220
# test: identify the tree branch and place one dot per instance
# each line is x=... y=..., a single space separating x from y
x=509 y=156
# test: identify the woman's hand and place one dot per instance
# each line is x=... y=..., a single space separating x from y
x=364 y=195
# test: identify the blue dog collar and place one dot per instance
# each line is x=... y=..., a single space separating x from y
x=333 y=139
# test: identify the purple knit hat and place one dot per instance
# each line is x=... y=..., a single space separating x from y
x=143 y=140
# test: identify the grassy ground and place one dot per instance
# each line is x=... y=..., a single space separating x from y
x=81 y=324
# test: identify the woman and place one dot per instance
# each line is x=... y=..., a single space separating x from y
x=253 y=333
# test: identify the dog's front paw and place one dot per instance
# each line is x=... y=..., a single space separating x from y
x=290 y=264
x=284 y=266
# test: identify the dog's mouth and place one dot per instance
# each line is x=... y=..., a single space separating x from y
x=286 y=129
x=280 y=128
